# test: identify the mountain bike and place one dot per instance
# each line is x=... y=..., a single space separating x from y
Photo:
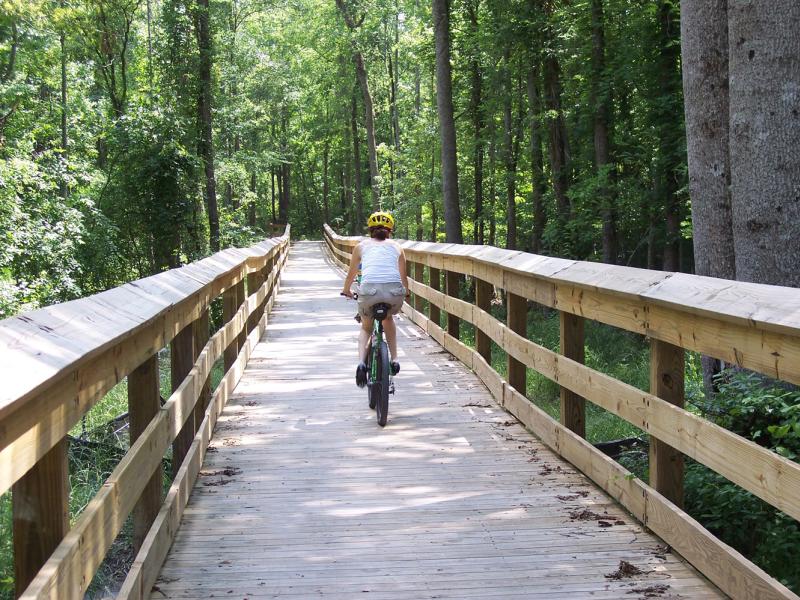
x=379 y=370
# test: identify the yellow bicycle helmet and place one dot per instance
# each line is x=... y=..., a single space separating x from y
x=381 y=219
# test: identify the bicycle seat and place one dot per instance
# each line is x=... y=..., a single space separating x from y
x=380 y=311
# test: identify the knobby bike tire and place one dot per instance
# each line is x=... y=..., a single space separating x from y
x=372 y=391
x=382 y=384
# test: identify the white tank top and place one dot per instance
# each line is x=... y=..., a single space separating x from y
x=379 y=263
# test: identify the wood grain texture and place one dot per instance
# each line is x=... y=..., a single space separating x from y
x=73 y=353
x=573 y=406
x=771 y=477
x=70 y=568
x=40 y=515
x=754 y=326
x=667 y=366
x=301 y=490
x=144 y=402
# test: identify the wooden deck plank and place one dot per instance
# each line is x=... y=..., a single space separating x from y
x=303 y=495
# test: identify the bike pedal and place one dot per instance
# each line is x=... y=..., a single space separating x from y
x=391 y=388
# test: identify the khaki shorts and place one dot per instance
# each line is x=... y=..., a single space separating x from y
x=370 y=294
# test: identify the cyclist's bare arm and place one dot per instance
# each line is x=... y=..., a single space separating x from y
x=355 y=260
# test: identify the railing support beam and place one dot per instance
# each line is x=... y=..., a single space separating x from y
x=517 y=320
x=452 y=288
x=483 y=298
x=144 y=402
x=434 y=313
x=573 y=406
x=419 y=273
x=666 y=382
x=40 y=507
x=229 y=309
x=182 y=357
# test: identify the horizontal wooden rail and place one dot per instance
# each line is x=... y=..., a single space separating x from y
x=136 y=321
x=755 y=326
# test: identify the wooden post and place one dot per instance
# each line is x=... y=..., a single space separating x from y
x=573 y=406
x=201 y=335
x=182 y=356
x=419 y=273
x=483 y=299
x=144 y=402
x=434 y=313
x=40 y=508
x=666 y=382
x=517 y=320
x=253 y=283
x=452 y=289
x=241 y=297
x=228 y=310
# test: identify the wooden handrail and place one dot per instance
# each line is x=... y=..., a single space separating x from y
x=751 y=325
x=60 y=360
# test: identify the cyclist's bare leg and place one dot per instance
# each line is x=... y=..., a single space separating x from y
x=390 y=331
x=363 y=337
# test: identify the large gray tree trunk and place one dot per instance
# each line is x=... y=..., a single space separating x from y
x=764 y=64
x=704 y=51
x=447 y=129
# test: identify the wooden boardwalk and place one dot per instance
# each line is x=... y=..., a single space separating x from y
x=304 y=496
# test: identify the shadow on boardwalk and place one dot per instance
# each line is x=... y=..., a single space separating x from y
x=303 y=495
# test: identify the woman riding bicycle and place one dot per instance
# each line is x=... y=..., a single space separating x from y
x=383 y=279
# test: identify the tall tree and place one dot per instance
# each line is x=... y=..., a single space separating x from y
x=764 y=55
x=666 y=107
x=202 y=22
x=476 y=108
x=537 y=159
x=447 y=128
x=704 y=58
x=369 y=111
x=601 y=103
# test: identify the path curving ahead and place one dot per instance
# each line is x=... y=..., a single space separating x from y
x=304 y=496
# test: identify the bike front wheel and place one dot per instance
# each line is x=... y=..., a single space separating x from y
x=381 y=385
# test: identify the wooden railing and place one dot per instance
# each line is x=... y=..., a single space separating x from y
x=58 y=362
x=754 y=326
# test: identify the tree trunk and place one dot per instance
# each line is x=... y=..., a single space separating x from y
x=251 y=207
x=537 y=160
x=447 y=129
x=63 y=188
x=557 y=136
x=325 y=185
x=272 y=190
x=601 y=102
x=206 y=150
x=369 y=126
x=670 y=134
x=764 y=57
x=704 y=48
x=359 y=220
x=285 y=199
x=492 y=181
x=509 y=157
x=476 y=108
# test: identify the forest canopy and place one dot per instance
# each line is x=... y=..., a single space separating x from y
x=138 y=135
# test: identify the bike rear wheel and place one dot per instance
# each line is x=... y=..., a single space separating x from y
x=372 y=389
x=381 y=385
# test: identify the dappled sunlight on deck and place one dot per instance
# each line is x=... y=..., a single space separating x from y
x=303 y=495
